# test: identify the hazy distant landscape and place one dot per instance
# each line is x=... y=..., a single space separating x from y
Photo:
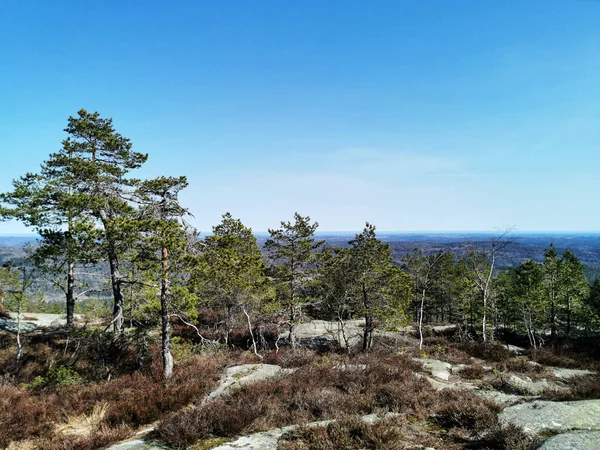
x=524 y=246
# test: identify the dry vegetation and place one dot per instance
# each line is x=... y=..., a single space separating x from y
x=47 y=413
x=90 y=390
x=584 y=387
x=322 y=390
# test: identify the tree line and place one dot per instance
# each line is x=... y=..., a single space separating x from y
x=90 y=211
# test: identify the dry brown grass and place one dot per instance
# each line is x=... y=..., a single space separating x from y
x=98 y=439
x=84 y=424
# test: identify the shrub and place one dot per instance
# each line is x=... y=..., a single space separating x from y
x=474 y=372
x=489 y=351
x=353 y=433
x=508 y=437
x=316 y=391
x=465 y=410
x=60 y=376
x=523 y=366
x=134 y=400
x=586 y=387
x=547 y=357
x=288 y=357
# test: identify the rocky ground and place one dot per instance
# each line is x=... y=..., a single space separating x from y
x=556 y=424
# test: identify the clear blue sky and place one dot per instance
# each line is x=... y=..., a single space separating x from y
x=413 y=115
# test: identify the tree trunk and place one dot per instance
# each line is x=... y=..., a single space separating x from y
x=115 y=278
x=167 y=358
x=261 y=337
x=553 y=322
x=245 y=311
x=421 y=320
x=368 y=332
x=228 y=323
x=483 y=321
x=342 y=332
x=292 y=327
x=118 y=301
x=568 y=329
x=70 y=295
x=19 y=345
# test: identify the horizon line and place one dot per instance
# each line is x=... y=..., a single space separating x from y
x=25 y=235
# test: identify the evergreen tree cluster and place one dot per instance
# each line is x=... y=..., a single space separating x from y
x=90 y=211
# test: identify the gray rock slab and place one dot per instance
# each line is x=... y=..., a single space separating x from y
x=265 y=440
x=317 y=328
x=560 y=372
x=534 y=387
x=238 y=376
x=577 y=440
x=454 y=384
x=516 y=349
x=543 y=416
x=501 y=398
x=443 y=328
x=437 y=368
x=137 y=444
x=41 y=320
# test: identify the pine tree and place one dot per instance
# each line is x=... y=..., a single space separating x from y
x=552 y=267
x=234 y=272
x=98 y=160
x=49 y=203
x=291 y=251
x=164 y=235
x=574 y=290
x=381 y=287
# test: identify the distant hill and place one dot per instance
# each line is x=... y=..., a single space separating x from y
x=16 y=240
x=12 y=247
x=586 y=246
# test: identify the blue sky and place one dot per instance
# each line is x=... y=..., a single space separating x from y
x=413 y=115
